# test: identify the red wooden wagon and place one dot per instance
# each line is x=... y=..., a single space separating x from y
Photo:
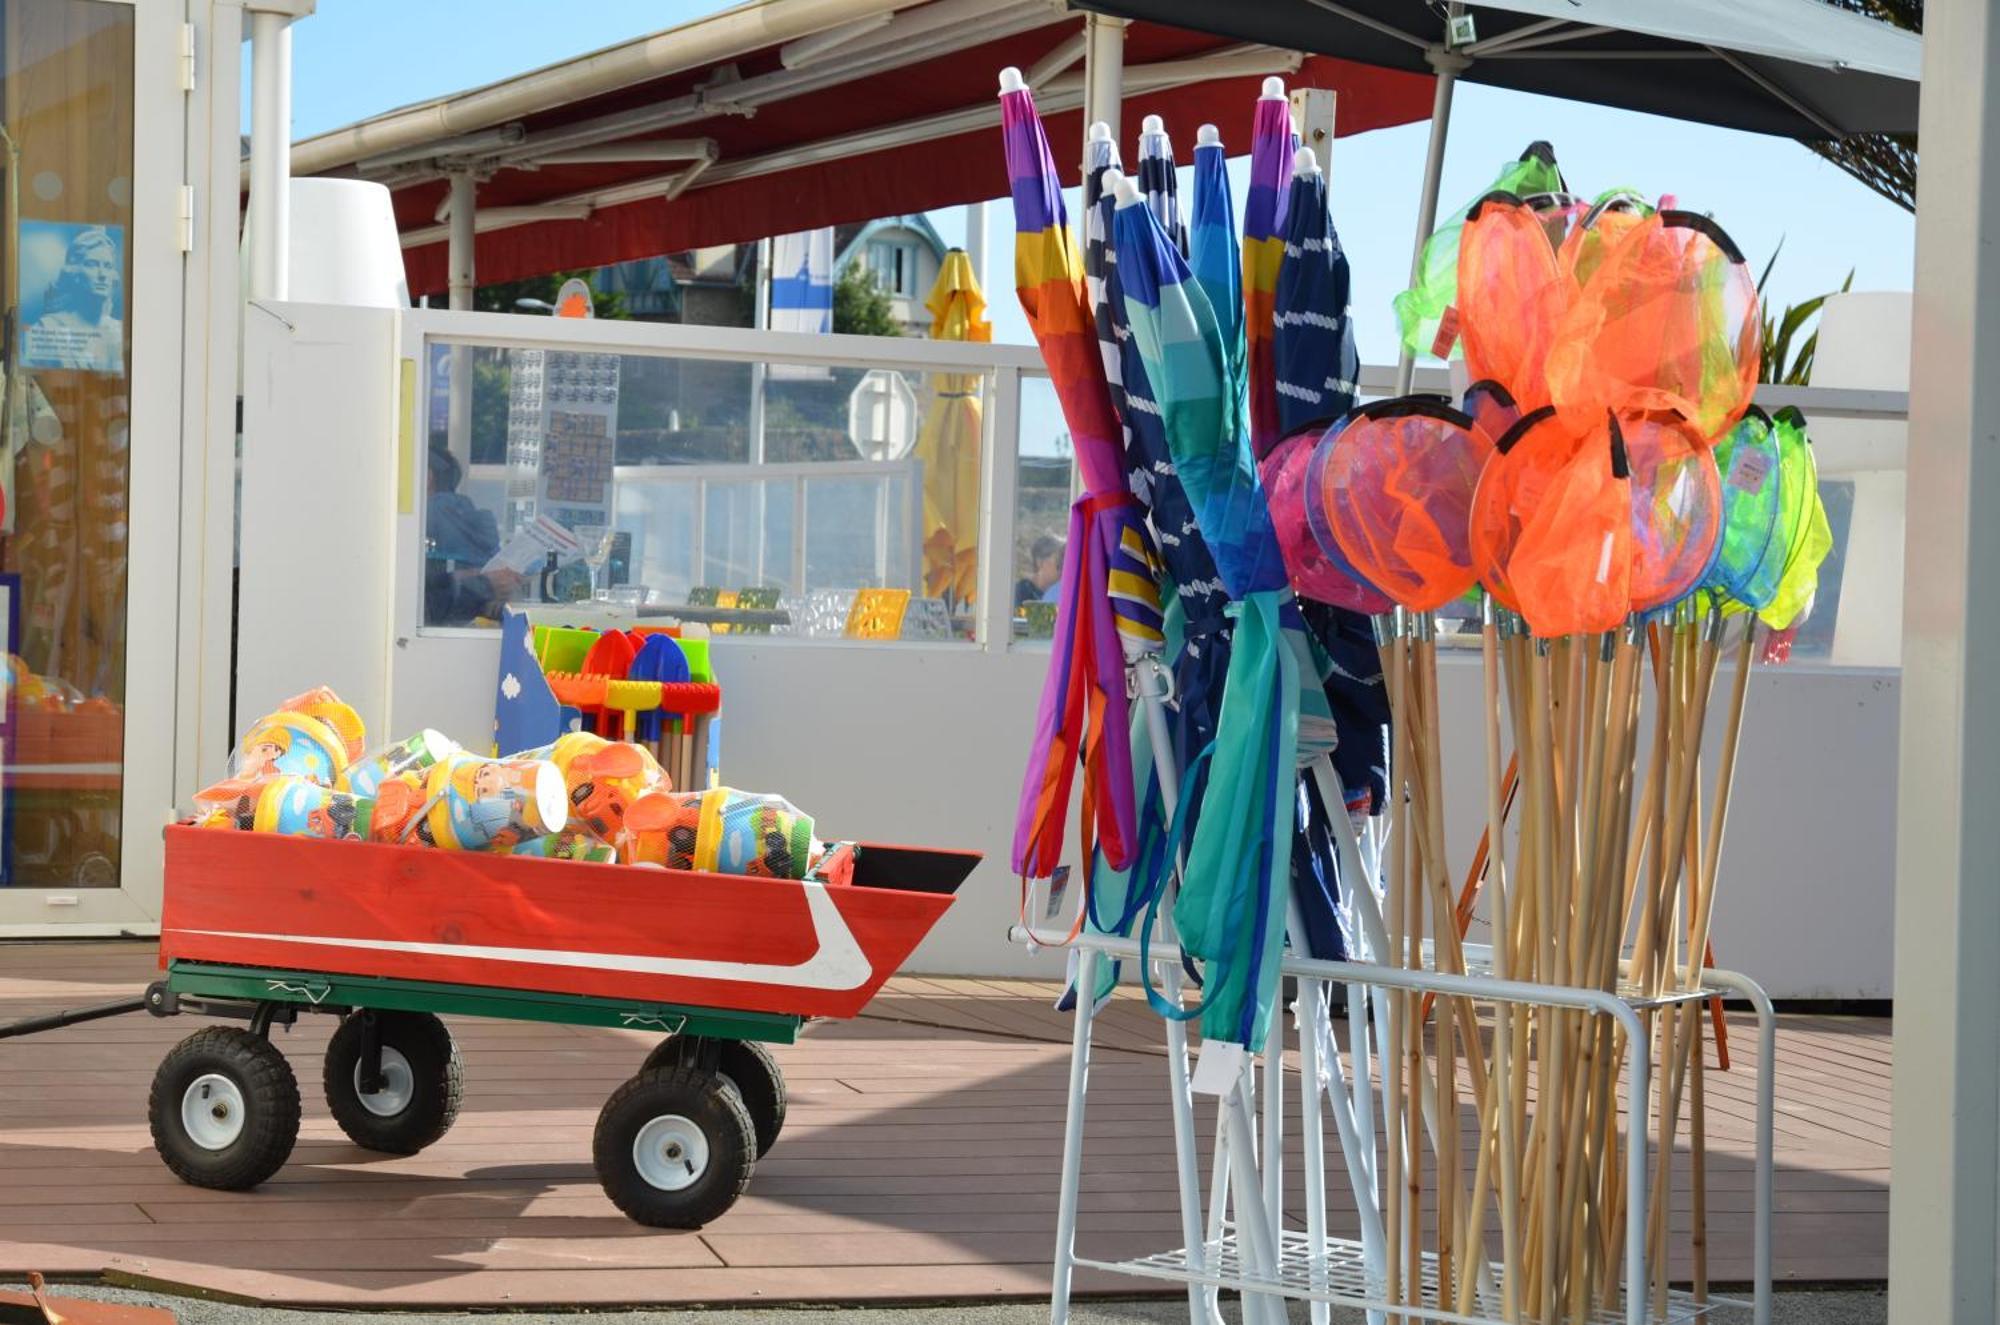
x=262 y=928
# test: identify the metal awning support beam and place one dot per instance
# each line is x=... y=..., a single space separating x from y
x=807 y=51
x=1064 y=56
x=654 y=149
x=969 y=119
x=1235 y=62
x=486 y=142
x=1744 y=67
x=744 y=96
x=901 y=29
x=712 y=40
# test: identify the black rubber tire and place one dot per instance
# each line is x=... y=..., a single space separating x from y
x=438 y=1082
x=744 y=1064
x=702 y=1099
x=270 y=1108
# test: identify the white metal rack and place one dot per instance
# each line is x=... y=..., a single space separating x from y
x=1335 y=1270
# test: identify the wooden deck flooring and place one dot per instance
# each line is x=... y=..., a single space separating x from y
x=919 y=1162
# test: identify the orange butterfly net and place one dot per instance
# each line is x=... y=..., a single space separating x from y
x=1571 y=567
x=1513 y=295
x=1676 y=508
x=1525 y=460
x=1667 y=322
x=1398 y=489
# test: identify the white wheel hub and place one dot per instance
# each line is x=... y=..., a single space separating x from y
x=399 y=1085
x=212 y=1111
x=670 y=1153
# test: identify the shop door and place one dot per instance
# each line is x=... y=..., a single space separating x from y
x=93 y=123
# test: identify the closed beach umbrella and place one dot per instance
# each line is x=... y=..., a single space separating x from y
x=1108 y=609
x=949 y=443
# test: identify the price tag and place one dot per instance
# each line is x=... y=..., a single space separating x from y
x=1748 y=469
x=1447 y=333
x=1058 y=889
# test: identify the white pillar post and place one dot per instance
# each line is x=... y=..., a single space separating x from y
x=461 y=279
x=461 y=266
x=1103 y=72
x=1944 y=1208
x=270 y=154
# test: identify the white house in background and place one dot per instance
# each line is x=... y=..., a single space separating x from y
x=903 y=254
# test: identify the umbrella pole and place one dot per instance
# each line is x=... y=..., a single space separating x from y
x=1448 y=67
x=1152 y=686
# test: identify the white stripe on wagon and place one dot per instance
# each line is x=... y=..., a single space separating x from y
x=839 y=964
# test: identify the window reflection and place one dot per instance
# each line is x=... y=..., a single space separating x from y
x=761 y=497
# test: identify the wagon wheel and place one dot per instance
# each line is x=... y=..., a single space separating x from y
x=674 y=1147
x=224 y=1109
x=743 y=1064
x=416 y=1099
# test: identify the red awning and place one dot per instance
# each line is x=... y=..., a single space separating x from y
x=843 y=149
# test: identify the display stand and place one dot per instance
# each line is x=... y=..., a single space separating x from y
x=1335 y=1270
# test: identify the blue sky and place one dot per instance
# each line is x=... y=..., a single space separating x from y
x=1763 y=190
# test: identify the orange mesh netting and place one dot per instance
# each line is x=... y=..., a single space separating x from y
x=1398 y=494
x=1572 y=565
x=1584 y=248
x=1512 y=295
x=1525 y=459
x=1667 y=322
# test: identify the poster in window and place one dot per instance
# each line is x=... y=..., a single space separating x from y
x=73 y=297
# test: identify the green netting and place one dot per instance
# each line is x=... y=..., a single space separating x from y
x=1424 y=313
x=1749 y=461
x=1812 y=538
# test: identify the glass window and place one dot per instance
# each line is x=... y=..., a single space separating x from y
x=67 y=131
x=1044 y=485
x=705 y=489
x=894 y=267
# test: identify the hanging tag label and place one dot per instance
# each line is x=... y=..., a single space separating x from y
x=1748 y=468
x=1447 y=333
x=1217 y=1069
x=1058 y=889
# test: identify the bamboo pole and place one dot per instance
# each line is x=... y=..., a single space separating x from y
x=1405 y=1158
x=1503 y=1034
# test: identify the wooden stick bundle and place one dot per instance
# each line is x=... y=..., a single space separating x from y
x=1613 y=850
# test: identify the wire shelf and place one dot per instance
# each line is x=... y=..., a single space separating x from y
x=1343 y=1279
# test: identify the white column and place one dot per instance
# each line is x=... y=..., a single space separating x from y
x=461 y=266
x=1103 y=71
x=1944 y=1211
x=461 y=279
x=270 y=154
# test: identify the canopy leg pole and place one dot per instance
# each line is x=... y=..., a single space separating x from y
x=1448 y=66
x=270 y=154
x=461 y=281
